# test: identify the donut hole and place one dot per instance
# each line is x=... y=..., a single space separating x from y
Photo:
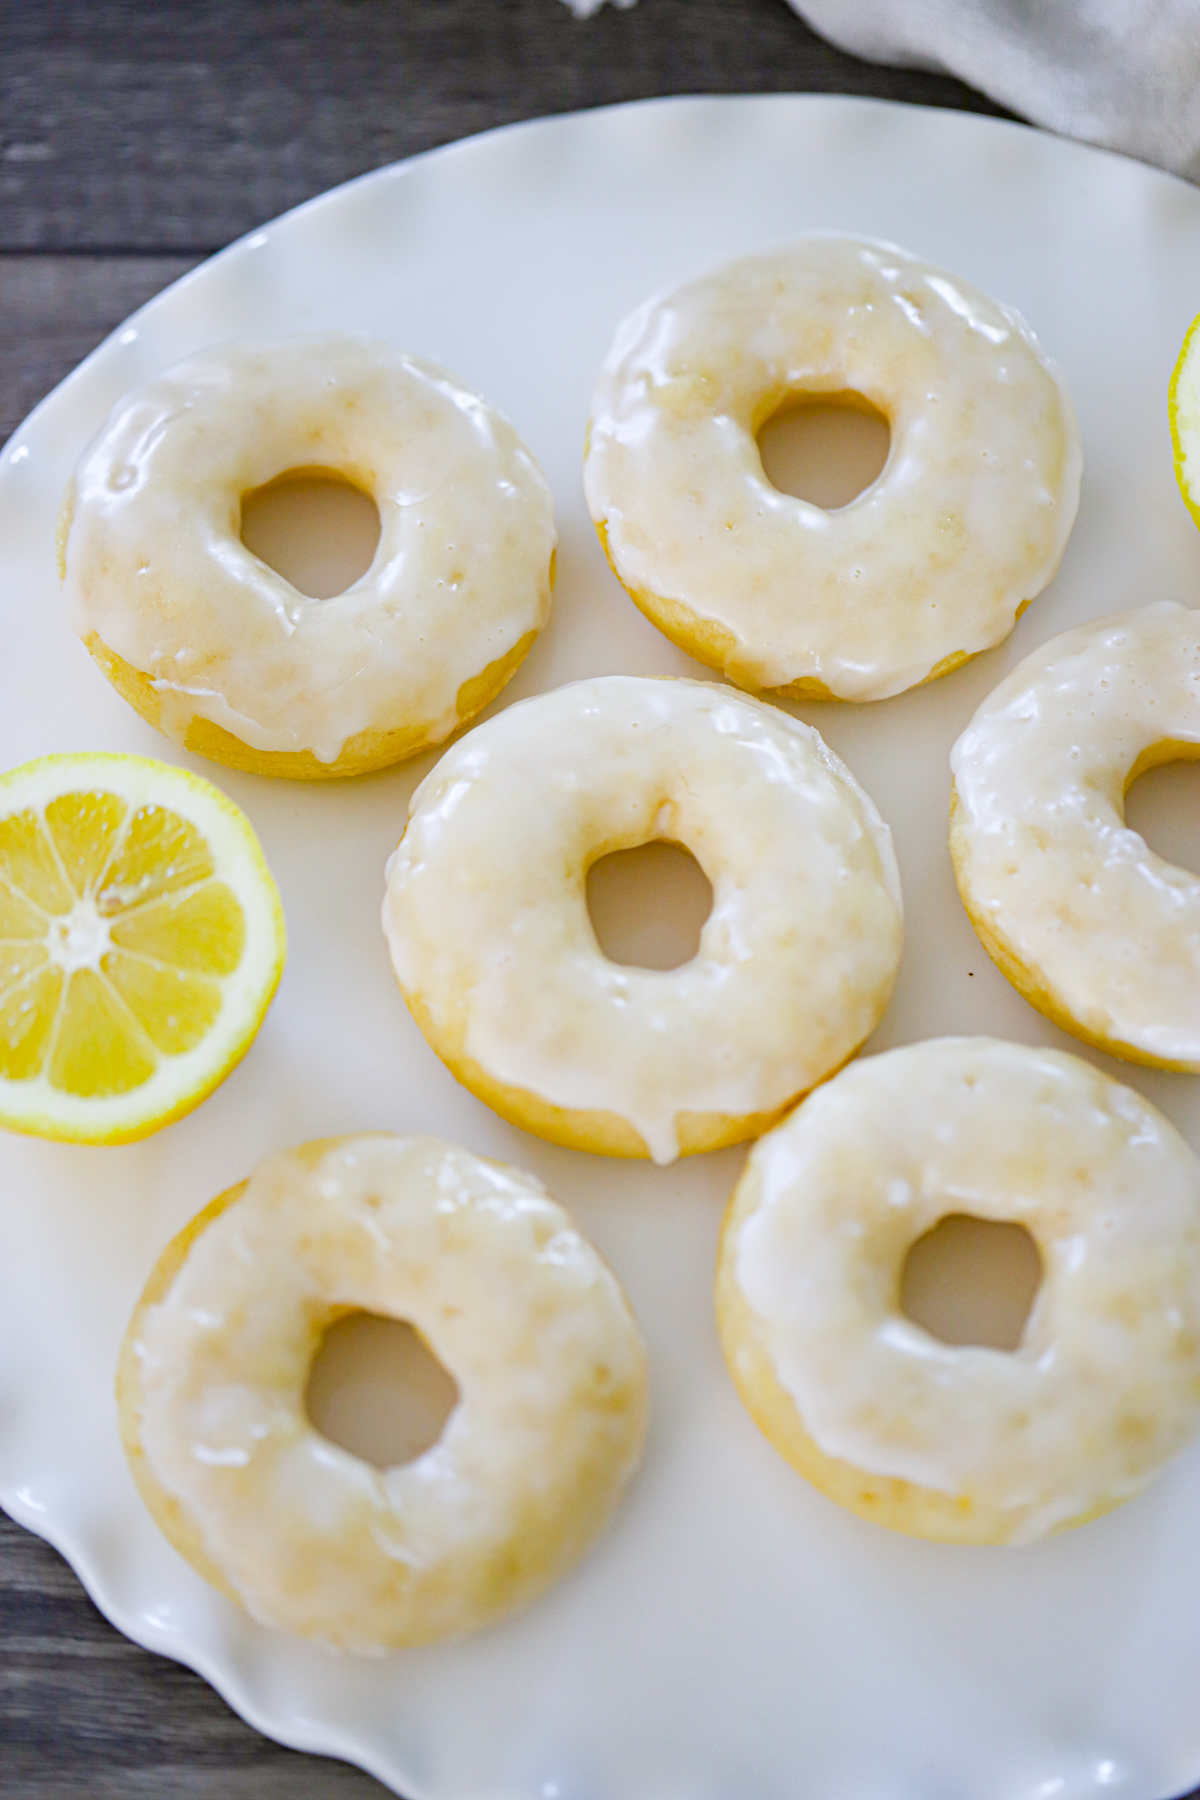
x=377 y=1390
x=1162 y=804
x=972 y=1281
x=824 y=448
x=313 y=527
x=648 y=905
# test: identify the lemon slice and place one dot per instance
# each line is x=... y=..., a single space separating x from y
x=1183 y=407
x=141 y=940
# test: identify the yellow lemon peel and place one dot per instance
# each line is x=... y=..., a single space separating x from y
x=1183 y=408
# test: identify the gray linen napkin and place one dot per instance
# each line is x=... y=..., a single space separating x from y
x=1123 y=73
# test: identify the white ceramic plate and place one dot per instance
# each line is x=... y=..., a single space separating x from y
x=733 y=1634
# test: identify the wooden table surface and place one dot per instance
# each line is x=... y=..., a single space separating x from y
x=136 y=139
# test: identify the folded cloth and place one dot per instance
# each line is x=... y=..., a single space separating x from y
x=1122 y=73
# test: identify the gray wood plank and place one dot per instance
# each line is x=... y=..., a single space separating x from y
x=84 y=1711
x=179 y=125
x=54 y=309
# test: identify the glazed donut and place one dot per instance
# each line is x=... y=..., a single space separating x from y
x=512 y=1299
x=929 y=565
x=959 y=1442
x=1096 y=931
x=223 y=654
x=487 y=922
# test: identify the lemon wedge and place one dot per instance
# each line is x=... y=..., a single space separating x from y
x=1183 y=407
x=141 y=940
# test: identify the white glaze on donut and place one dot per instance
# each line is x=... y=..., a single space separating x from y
x=514 y=1302
x=486 y=911
x=1105 y=1386
x=967 y=522
x=1092 y=925
x=155 y=566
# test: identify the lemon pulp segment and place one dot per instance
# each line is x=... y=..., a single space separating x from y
x=141 y=940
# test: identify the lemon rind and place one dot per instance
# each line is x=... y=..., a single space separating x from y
x=1183 y=397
